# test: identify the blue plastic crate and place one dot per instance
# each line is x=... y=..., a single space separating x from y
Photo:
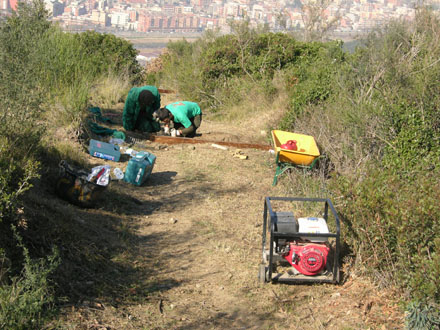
x=104 y=150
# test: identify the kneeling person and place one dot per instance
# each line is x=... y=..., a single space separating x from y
x=184 y=115
x=140 y=104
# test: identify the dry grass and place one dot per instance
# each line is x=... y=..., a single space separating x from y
x=326 y=126
x=256 y=113
x=109 y=91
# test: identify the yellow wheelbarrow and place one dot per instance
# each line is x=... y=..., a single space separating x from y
x=306 y=154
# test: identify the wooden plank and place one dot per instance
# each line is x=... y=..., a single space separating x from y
x=166 y=91
x=183 y=140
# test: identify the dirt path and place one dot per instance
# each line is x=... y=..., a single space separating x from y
x=189 y=258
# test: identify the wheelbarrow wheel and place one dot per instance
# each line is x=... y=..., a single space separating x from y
x=262 y=274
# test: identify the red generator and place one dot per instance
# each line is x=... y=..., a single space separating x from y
x=300 y=248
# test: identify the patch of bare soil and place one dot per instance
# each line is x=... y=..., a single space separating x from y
x=183 y=250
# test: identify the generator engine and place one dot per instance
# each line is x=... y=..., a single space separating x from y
x=307 y=254
x=308 y=259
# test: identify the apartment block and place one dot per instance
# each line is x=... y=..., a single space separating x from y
x=120 y=19
x=100 y=18
x=8 y=5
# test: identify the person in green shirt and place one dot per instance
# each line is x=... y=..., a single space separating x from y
x=185 y=116
x=140 y=104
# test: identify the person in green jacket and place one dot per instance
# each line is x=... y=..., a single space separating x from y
x=140 y=104
x=184 y=116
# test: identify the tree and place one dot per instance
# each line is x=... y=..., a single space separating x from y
x=317 y=21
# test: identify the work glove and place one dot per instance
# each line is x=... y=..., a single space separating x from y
x=166 y=130
x=175 y=132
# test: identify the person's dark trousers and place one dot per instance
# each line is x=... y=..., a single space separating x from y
x=195 y=124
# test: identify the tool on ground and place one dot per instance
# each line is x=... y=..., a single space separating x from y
x=299 y=249
x=239 y=154
x=288 y=157
x=215 y=145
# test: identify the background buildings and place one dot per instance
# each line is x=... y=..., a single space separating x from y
x=344 y=16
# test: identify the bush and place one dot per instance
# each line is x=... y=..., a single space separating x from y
x=393 y=226
x=311 y=81
x=108 y=53
x=422 y=317
x=207 y=70
x=181 y=71
x=109 y=90
x=23 y=302
x=46 y=77
x=21 y=97
x=389 y=201
x=73 y=64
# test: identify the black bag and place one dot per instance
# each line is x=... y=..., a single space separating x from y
x=73 y=186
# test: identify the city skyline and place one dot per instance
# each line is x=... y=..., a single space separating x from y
x=143 y=16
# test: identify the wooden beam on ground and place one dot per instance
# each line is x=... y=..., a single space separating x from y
x=165 y=91
x=183 y=140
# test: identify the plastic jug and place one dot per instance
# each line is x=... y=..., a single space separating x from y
x=139 y=168
x=290 y=145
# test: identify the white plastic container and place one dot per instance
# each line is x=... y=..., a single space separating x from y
x=313 y=225
x=119 y=175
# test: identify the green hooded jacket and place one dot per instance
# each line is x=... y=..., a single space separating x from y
x=130 y=117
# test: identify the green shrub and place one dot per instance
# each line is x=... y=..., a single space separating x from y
x=393 y=225
x=422 y=317
x=181 y=70
x=108 y=53
x=46 y=77
x=379 y=108
x=311 y=81
x=207 y=70
x=15 y=179
x=253 y=56
x=21 y=97
x=23 y=302
x=73 y=64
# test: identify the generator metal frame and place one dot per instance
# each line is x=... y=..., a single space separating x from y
x=266 y=270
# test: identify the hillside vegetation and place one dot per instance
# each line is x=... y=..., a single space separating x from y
x=374 y=112
x=375 y=115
